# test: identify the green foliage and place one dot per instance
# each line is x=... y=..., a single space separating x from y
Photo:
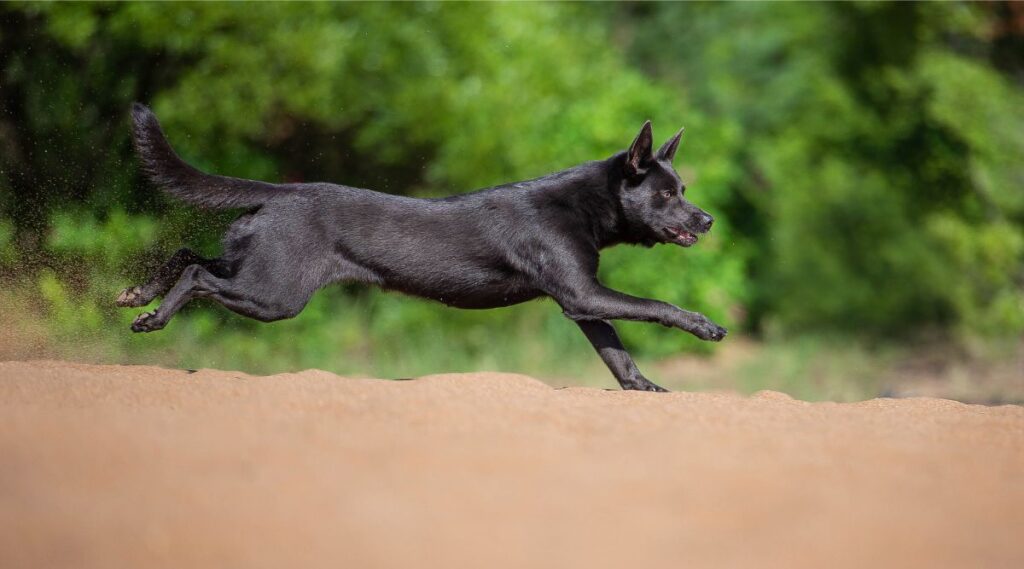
x=862 y=161
x=882 y=161
x=102 y=244
x=411 y=98
x=981 y=273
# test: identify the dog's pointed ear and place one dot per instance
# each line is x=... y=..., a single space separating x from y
x=639 y=153
x=668 y=150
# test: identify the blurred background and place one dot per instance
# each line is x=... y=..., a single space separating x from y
x=865 y=163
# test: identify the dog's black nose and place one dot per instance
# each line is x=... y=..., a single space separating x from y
x=706 y=221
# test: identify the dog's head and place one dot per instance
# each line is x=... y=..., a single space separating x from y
x=652 y=195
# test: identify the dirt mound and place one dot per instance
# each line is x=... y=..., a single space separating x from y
x=109 y=466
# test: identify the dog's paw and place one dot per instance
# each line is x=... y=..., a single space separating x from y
x=130 y=297
x=643 y=384
x=708 y=330
x=147 y=322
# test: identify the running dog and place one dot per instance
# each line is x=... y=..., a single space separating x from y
x=485 y=249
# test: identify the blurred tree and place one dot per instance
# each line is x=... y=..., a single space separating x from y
x=881 y=175
x=862 y=159
x=421 y=99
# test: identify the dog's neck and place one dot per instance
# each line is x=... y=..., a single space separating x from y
x=591 y=192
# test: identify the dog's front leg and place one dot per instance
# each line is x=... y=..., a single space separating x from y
x=604 y=339
x=596 y=302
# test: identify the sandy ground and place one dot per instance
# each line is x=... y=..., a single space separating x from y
x=110 y=466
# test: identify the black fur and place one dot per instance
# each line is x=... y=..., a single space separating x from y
x=493 y=247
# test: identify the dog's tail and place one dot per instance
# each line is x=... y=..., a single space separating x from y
x=164 y=168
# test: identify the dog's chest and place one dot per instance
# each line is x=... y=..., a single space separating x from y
x=469 y=289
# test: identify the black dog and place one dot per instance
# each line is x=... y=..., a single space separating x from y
x=494 y=247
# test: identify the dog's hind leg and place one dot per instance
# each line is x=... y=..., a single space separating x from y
x=604 y=339
x=248 y=299
x=162 y=281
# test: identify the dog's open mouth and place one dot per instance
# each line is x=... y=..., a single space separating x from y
x=681 y=236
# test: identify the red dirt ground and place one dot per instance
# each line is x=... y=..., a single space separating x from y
x=115 y=466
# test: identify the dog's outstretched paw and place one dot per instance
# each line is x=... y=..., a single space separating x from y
x=130 y=297
x=147 y=322
x=717 y=333
x=708 y=330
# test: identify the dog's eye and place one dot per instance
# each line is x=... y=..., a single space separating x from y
x=668 y=194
